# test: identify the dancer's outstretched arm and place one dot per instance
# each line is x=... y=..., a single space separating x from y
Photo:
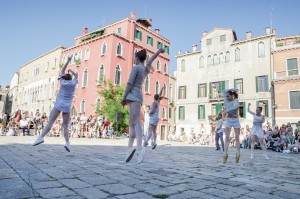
x=66 y=64
x=161 y=93
x=252 y=113
x=148 y=65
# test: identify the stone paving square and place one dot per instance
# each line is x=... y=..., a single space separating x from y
x=95 y=168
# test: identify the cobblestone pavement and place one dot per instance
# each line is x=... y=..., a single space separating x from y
x=96 y=169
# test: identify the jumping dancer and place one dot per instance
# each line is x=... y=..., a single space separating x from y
x=154 y=119
x=62 y=104
x=231 y=104
x=257 y=131
x=133 y=96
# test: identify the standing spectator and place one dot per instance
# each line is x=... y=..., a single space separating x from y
x=23 y=125
x=219 y=132
x=17 y=116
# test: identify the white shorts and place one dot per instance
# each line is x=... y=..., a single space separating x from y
x=232 y=123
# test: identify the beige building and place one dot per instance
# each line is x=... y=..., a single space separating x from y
x=38 y=83
x=287 y=79
x=223 y=62
x=13 y=92
x=4 y=106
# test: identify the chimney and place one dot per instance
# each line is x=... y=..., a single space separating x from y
x=248 y=35
x=194 y=48
x=132 y=15
x=274 y=31
x=179 y=52
x=268 y=30
x=157 y=31
x=85 y=30
x=204 y=33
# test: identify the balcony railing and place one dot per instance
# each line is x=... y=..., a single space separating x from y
x=290 y=74
x=216 y=97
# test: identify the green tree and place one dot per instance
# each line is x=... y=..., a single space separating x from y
x=111 y=107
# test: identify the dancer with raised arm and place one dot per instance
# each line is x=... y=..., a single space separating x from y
x=231 y=104
x=62 y=104
x=154 y=119
x=133 y=97
x=257 y=132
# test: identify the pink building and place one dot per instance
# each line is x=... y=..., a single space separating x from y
x=107 y=53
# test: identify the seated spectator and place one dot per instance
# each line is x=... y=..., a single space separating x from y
x=291 y=139
x=23 y=125
x=275 y=138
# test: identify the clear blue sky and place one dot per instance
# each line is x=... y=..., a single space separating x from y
x=33 y=27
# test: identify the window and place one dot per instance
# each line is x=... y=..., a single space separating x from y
x=227 y=57
x=118 y=75
x=201 y=62
x=87 y=54
x=166 y=49
x=292 y=67
x=222 y=38
x=183 y=65
x=262 y=84
x=202 y=90
x=294 y=99
x=47 y=66
x=208 y=42
x=166 y=69
x=201 y=112
x=222 y=60
x=237 y=54
x=158 y=65
x=85 y=78
x=138 y=34
x=55 y=62
x=181 y=113
x=147 y=85
x=261 y=49
x=104 y=47
x=157 y=87
x=242 y=109
x=238 y=84
x=182 y=92
x=150 y=40
x=216 y=60
x=170 y=113
x=265 y=107
x=209 y=60
x=119 y=31
x=82 y=106
x=164 y=114
x=159 y=45
x=101 y=75
x=165 y=91
x=119 y=49
x=98 y=104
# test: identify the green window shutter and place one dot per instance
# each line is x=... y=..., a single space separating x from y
x=256 y=81
x=140 y=35
x=244 y=109
x=235 y=83
x=257 y=103
x=198 y=90
x=178 y=92
x=267 y=83
x=203 y=111
x=218 y=108
x=185 y=92
x=135 y=33
x=183 y=113
x=267 y=108
x=205 y=89
x=210 y=88
x=198 y=112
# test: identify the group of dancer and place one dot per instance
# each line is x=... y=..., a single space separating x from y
x=133 y=98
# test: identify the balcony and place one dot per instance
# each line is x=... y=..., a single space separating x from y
x=215 y=97
x=287 y=75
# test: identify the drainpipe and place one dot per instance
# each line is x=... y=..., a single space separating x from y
x=272 y=90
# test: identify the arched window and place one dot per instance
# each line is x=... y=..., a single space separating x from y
x=201 y=62
x=157 y=88
x=237 y=54
x=87 y=54
x=183 y=65
x=164 y=113
x=104 y=47
x=221 y=58
x=209 y=60
x=227 y=57
x=98 y=104
x=216 y=60
x=80 y=55
x=82 y=106
x=158 y=65
x=118 y=75
x=52 y=90
x=166 y=69
x=119 y=49
x=165 y=93
x=85 y=78
x=101 y=74
x=147 y=85
x=261 y=49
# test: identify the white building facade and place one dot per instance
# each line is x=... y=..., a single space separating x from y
x=223 y=62
x=38 y=83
